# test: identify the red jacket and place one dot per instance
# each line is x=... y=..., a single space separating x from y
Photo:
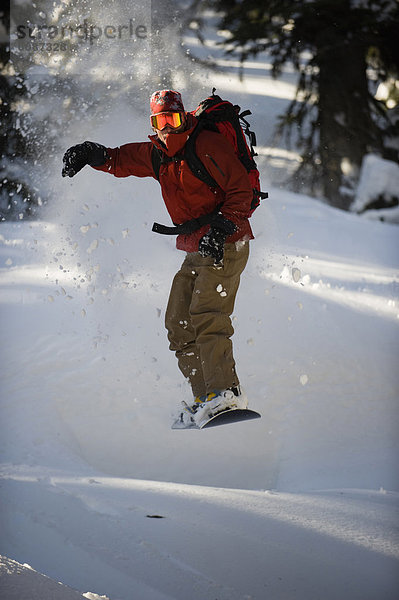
x=185 y=196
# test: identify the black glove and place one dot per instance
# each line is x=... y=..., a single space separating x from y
x=212 y=243
x=88 y=153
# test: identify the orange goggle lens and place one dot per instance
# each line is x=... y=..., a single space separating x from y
x=160 y=121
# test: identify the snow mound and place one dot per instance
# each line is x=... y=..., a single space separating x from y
x=21 y=582
x=377 y=192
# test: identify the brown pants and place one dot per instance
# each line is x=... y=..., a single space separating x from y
x=198 y=318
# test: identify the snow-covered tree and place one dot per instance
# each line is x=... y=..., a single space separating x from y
x=343 y=50
x=18 y=198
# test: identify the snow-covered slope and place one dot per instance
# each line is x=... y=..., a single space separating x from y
x=134 y=539
x=316 y=320
x=88 y=387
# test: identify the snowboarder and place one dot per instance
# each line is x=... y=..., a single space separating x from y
x=203 y=291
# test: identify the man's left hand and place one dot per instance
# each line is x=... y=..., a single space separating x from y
x=212 y=243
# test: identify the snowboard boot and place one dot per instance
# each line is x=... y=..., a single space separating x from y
x=218 y=401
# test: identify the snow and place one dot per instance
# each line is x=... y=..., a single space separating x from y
x=97 y=491
x=212 y=543
x=297 y=498
x=379 y=180
x=21 y=581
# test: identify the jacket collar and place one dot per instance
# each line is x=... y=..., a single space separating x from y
x=175 y=142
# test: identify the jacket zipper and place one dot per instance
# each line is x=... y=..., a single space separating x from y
x=215 y=163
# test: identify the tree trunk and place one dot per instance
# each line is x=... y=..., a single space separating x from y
x=347 y=131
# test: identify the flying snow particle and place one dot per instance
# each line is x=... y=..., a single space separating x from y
x=296 y=274
x=221 y=291
x=92 y=596
x=93 y=246
x=304 y=379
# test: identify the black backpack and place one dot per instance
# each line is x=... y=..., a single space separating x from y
x=222 y=116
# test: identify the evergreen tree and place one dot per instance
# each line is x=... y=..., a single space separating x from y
x=342 y=50
x=17 y=199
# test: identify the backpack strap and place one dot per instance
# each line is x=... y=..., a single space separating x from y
x=159 y=158
x=250 y=134
x=156 y=161
x=187 y=227
x=194 y=162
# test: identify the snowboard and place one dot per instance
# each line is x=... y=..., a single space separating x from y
x=224 y=417
x=230 y=415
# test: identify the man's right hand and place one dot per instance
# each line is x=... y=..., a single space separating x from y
x=88 y=153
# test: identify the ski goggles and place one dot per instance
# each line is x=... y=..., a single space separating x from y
x=161 y=120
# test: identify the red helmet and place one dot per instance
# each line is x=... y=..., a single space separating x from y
x=166 y=101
